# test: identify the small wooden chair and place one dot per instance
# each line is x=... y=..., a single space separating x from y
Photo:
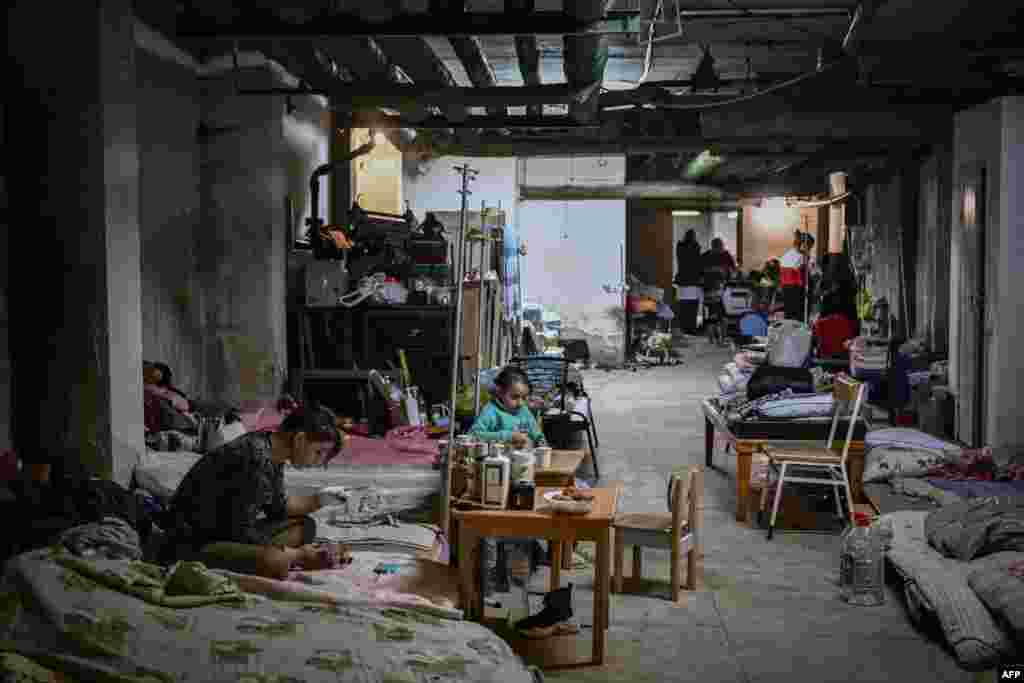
x=822 y=465
x=679 y=531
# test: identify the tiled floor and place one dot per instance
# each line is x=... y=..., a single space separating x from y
x=768 y=611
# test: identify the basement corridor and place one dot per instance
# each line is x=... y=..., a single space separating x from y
x=767 y=612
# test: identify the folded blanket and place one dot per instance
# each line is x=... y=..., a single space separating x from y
x=111 y=537
x=148 y=582
x=977 y=527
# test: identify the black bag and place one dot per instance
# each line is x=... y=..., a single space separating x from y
x=771 y=379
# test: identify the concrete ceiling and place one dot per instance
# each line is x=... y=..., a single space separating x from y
x=891 y=89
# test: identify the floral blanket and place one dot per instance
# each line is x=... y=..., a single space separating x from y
x=67 y=621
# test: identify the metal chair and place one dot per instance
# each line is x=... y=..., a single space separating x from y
x=679 y=531
x=819 y=465
x=552 y=374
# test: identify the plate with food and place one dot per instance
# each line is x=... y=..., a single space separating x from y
x=571 y=500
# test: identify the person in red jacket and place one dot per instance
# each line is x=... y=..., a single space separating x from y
x=793 y=276
x=831 y=333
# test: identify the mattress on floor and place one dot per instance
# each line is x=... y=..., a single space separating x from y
x=401 y=487
x=937 y=586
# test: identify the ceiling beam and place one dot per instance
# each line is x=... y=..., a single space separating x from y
x=264 y=24
x=527 y=53
x=418 y=59
x=370 y=97
x=261 y=24
x=526 y=147
x=471 y=53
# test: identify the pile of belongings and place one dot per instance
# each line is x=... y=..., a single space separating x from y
x=644 y=299
x=868 y=354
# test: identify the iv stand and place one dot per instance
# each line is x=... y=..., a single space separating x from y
x=468 y=174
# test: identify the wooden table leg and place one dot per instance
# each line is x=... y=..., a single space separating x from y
x=709 y=442
x=743 y=464
x=556 y=563
x=466 y=578
x=601 y=595
x=567 y=555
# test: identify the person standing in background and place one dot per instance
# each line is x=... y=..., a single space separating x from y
x=688 y=281
x=718 y=266
x=793 y=275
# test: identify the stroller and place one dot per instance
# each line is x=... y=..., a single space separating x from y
x=725 y=304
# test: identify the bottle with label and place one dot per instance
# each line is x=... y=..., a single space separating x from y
x=496 y=481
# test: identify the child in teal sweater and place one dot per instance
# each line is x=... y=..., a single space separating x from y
x=508 y=418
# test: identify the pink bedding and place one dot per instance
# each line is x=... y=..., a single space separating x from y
x=401 y=446
x=374 y=579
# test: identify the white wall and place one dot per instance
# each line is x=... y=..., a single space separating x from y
x=1006 y=409
x=573 y=171
x=438 y=189
x=569 y=272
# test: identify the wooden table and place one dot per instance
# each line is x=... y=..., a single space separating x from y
x=596 y=526
x=746 y=447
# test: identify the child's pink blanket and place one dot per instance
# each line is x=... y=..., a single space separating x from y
x=373 y=579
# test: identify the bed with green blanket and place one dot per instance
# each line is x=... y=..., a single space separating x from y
x=127 y=621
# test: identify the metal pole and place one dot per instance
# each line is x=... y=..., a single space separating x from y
x=467 y=175
x=480 y=316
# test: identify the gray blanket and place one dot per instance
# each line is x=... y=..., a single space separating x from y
x=977 y=527
x=1001 y=591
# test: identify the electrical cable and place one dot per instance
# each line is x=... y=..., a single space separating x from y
x=784 y=20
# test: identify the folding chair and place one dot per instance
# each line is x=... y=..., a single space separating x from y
x=552 y=373
x=819 y=465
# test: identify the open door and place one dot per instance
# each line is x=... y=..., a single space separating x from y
x=971 y=392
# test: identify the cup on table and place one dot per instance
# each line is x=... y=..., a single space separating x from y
x=543 y=456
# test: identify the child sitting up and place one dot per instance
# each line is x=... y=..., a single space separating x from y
x=507 y=418
x=231 y=511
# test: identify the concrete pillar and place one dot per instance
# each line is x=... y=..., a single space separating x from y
x=836 y=214
x=76 y=333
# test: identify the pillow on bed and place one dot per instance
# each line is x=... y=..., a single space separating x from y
x=903 y=437
x=885 y=462
x=811 y=405
x=1001 y=591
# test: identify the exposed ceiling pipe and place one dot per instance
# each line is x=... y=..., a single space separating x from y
x=585 y=58
x=314 y=222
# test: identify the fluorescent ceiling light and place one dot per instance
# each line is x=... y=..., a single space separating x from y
x=774 y=203
x=732 y=215
x=686 y=213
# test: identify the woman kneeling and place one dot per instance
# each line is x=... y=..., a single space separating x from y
x=231 y=511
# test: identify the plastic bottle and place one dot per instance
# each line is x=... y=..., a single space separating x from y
x=862 y=565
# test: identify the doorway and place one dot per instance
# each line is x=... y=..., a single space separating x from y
x=972 y=391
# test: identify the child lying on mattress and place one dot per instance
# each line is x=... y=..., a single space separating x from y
x=231 y=511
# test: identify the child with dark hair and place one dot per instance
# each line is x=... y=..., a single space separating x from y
x=231 y=510
x=508 y=418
